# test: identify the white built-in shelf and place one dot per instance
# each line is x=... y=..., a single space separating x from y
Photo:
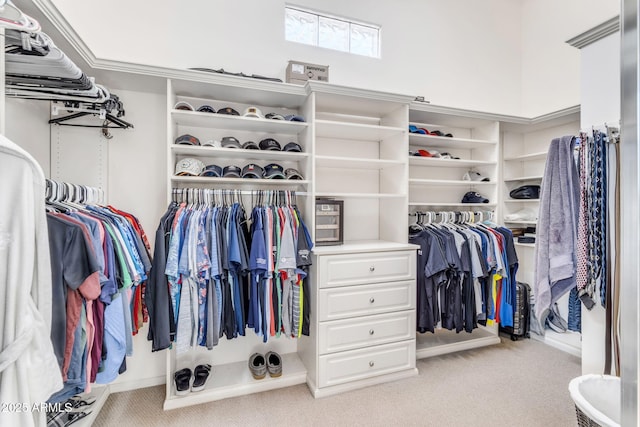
x=522 y=201
x=101 y=393
x=356 y=246
x=224 y=121
x=447 y=163
x=234 y=379
x=239 y=181
x=525 y=245
x=355 y=163
x=444 y=341
x=525 y=157
x=449 y=182
x=453 y=205
x=524 y=178
x=521 y=222
x=357 y=131
x=238 y=153
x=360 y=195
x=446 y=142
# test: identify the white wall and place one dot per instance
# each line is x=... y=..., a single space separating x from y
x=461 y=53
x=550 y=67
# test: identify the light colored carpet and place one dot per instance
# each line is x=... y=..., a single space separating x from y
x=521 y=383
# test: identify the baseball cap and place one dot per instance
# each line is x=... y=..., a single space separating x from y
x=449 y=156
x=231 y=171
x=274 y=116
x=230 y=142
x=475 y=176
x=212 y=143
x=526 y=192
x=187 y=139
x=189 y=167
x=270 y=144
x=182 y=105
x=228 y=111
x=474 y=197
x=250 y=145
x=252 y=171
x=206 y=109
x=415 y=129
x=292 y=146
x=292 y=173
x=274 y=171
x=294 y=118
x=253 y=112
x=212 y=170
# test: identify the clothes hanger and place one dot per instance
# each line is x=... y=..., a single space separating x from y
x=14 y=18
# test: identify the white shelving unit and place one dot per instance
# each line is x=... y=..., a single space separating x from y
x=230 y=375
x=524 y=154
x=436 y=184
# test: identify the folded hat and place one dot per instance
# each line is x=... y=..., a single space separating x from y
x=231 y=171
x=212 y=170
x=189 y=167
x=475 y=176
x=526 y=192
x=292 y=146
x=474 y=197
x=252 y=171
x=526 y=214
x=206 y=109
x=292 y=173
x=182 y=105
x=228 y=111
x=414 y=129
x=526 y=239
x=294 y=118
x=274 y=116
x=230 y=142
x=270 y=144
x=274 y=171
x=253 y=112
x=187 y=139
x=250 y=145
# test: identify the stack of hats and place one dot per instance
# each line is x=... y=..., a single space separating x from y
x=190 y=166
x=267 y=144
x=253 y=112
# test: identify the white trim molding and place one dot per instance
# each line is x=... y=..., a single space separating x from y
x=596 y=33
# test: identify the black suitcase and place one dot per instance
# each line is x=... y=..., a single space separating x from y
x=521 y=313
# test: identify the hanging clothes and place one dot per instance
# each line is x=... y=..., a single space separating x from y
x=217 y=272
x=29 y=372
x=466 y=274
x=100 y=262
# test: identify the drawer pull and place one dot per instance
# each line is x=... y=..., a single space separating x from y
x=372 y=300
x=372 y=269
x=371 y=331
x=371 y=364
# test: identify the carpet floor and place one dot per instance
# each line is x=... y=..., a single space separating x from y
x=523 y=383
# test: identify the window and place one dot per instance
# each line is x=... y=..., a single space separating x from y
x=308 y=27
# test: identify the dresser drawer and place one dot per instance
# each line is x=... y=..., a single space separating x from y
x=362 y=300
x=339 y=368
x=345 y=270
x=350 y=334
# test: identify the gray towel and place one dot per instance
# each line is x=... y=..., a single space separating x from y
x=555 y=258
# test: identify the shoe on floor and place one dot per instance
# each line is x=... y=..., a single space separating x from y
x=274 y=363
x=182 y=379
x=200 y=377
x=257 y=366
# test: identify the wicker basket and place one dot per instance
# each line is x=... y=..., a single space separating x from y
x=597 y=400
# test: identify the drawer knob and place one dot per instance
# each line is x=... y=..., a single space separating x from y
x=372 y=300
x=371 y=331
x=372 y=268
x=371 y=364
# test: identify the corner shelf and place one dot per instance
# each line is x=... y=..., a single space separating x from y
x=525 y=245
x=223 y=121
x=355 y=163
x=522 y=201
x=524 y=178
x=235 y=379
x=449 y=182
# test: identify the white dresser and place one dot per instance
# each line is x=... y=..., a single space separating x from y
x=363 y=316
